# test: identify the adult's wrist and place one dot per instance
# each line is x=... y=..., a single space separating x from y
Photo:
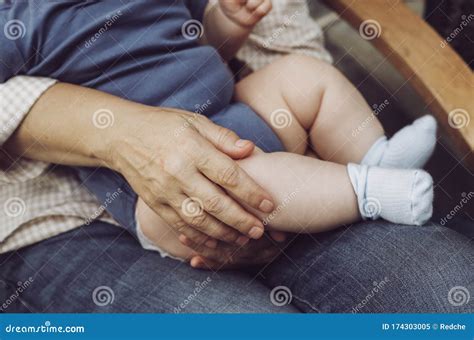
x=74 y=125
x=120 y=143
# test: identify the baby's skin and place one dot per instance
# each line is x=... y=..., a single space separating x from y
x=339 y=166
x=318 y=193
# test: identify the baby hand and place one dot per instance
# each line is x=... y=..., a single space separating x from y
x=245 y=13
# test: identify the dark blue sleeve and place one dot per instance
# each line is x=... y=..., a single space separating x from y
x=196 y=8
x=13 y=31
x=114 y=194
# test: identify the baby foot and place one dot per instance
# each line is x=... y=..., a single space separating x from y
x=401 y=196
x=409 y=148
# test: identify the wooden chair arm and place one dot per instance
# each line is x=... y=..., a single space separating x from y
x=434 y=69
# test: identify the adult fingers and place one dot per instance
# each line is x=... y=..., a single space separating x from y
x=222 y=253
x=192 y=211
x=217 y=203
x=177 y=223
x=256 y=253
x=227 y=173
x=209 y=263
x=278 y=236
x=223 y=171
x=223 y=139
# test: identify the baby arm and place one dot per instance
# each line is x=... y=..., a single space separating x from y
x=228 y=23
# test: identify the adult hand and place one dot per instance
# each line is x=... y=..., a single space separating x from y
x=179 y=163
x=225 y=256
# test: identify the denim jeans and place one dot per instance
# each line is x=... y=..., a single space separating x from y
x=366 y=267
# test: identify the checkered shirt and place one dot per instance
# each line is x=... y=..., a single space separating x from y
x=37 y=200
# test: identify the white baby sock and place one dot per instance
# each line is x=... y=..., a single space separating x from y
x=409 y=148
x=401 y=196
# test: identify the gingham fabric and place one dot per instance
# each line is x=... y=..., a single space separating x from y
x=288 y=28
x=37 y=200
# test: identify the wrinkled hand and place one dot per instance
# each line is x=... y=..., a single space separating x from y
x=179 y=246
x=245 y=13
x=179 y=163
x=225 y=256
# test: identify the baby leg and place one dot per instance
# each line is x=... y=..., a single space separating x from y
x=297 y=184
x=312 y=196
x=302 y=97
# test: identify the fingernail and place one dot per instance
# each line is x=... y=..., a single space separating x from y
x=242 y=240
x=266 y=206
x=211 y=244
x=196 y=263
x=241 y=143
x=256 y=232
x=278 y=236
x=183 y=239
